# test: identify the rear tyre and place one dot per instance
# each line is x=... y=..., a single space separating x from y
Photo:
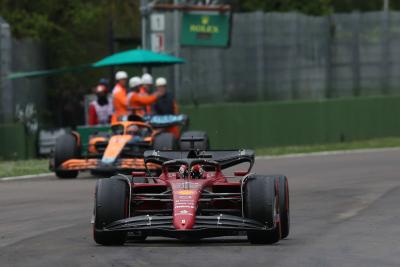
x=66 y=148
x=165 y=141
x=111 y=204
x=284 y=205
x=261 y=203
x=186 y=144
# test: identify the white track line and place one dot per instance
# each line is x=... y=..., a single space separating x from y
x=25 y=177
x=330 y=153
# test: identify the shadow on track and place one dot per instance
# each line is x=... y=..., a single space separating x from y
x=155 y=243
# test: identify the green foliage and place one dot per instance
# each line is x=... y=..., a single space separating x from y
x=74 y=32
x=314 y=7
x=30 y=25
x=370 y=5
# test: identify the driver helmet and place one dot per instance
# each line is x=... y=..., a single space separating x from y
x=132 y=129
x=197 y=171
x=183 y=172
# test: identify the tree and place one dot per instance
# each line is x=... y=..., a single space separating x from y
x=314 y=7
x=74 y=32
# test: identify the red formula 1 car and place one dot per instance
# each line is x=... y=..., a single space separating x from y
x=191 y=199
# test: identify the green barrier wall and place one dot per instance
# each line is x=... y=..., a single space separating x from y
x=15 y=143
x=263 y=124
x=86 y=131
x=296 y=123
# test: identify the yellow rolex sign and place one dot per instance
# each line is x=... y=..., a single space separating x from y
x=205 y=29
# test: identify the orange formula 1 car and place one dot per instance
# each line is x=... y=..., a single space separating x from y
x=121 y=150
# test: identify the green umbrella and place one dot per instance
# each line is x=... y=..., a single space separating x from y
x=138 y=57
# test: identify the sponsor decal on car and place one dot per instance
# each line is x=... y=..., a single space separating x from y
x=186 y=192
x=188 y=185
x=183 y=212
x=184 y=197
x=184 y=207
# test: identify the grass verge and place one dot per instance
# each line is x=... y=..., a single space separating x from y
x=365 y=144
x=23 y=167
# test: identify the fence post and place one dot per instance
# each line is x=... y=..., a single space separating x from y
x=385 y=62
x=259 y=19
x=177 y=52
x=5 y=67
x=294 y=68
x=329 y=28
x=355 y=62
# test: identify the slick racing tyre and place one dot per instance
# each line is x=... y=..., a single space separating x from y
x=165 y=141
x=200 y=142
x=66 y=148
x=111 y=204
x=284 y=205
x=261 y=203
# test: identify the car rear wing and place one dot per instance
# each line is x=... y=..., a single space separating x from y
x=225 y=158
x=159 y=121
x=164 y=121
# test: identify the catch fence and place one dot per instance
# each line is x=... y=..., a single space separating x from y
x=290 y=56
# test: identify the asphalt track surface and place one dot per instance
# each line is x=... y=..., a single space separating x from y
x=345 y=211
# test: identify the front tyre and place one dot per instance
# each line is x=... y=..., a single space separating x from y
x=66 y=148
x=261 y=203
x=111 y=204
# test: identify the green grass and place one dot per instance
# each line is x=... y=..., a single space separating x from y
x=23 y=167
x=366 y=144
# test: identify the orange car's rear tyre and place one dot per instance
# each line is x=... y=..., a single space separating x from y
x=165 y=141
x=261 y=203
x=66 y=148
x=67 y=174
x=194 y=140
x=111 y=204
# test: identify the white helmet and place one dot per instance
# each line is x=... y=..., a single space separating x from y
x=147 y=79
x=161 y=81
x=135 y=82
x=120 y=75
